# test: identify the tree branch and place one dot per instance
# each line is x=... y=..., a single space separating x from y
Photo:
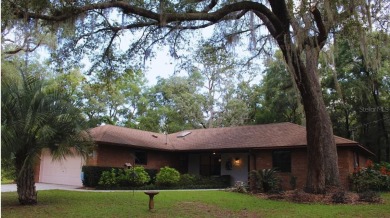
x=23 y=49
x=323 y=32
x=213 y=17
x=190 y=27
x=279 y=8
x=106 y=51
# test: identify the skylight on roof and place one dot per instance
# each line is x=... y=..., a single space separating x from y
x=183 y=134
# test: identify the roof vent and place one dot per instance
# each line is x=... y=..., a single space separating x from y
x=183 y=134
x=155 y=136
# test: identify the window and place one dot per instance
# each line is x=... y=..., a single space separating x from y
x=281 y=160
x=141 y=158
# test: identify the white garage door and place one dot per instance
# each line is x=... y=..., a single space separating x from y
x=66 y=171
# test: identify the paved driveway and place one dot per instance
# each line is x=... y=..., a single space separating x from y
x=45 y=186
x=39 y=186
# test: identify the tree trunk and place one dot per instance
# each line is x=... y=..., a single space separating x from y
x=321 y=148
x=381 y=125
x=25 y=182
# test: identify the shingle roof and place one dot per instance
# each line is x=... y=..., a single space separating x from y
x=256 y=136
x=278 y=135
x=129 y=137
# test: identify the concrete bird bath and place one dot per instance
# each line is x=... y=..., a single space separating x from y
x=151 y=194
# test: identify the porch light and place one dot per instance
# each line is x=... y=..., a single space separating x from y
x=237 y=161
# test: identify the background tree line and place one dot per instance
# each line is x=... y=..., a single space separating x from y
x=300 y=31
x=213 y=90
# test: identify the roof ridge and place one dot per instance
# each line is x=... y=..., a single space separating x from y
x=246 y=136
x=233 y=127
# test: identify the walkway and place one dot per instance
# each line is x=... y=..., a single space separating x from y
x=45 y=186
x=40 y=186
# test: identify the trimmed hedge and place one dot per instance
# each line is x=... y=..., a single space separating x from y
x=167 y=176
x=134 y=177
x=187 y=181
x=92 y=174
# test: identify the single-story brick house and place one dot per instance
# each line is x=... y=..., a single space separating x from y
x=233 y=151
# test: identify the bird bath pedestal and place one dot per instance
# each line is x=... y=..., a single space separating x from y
x=151 y=195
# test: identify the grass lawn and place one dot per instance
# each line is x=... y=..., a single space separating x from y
x=7 y=181
x=177 y=204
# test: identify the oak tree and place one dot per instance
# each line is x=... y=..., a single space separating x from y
x=299 y=29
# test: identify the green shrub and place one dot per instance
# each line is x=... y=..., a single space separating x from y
x=167 y=176
x=8 y=172
x=269 y=180
x=383 y=167
x=133 y=177
x=91 y=174
x=375 y=177
x=109 y=179
x=255 y=184
x=264 y=180
x=199 y=182
x=136 y=176
x=188 y=179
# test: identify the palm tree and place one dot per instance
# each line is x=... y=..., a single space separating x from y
x=37 y=114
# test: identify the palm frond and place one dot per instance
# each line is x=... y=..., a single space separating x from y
x=38 y=115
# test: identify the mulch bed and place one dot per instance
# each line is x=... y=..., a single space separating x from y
x=299 y=196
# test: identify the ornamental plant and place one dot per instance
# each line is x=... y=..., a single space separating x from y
x=374 y=177
x=265 y=180
x=167 y=176
x=383 y=168
x=134 y=177
x=109 y=179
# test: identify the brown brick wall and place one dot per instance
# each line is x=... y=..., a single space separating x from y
x=117 y=156
x=157 y=159
x=92 y=158
x=298 y=166
x=346 y=162
x=263 y=160
x=363 y=160
x=113 y=156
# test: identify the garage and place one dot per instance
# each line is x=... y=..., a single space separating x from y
x=65 y=171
